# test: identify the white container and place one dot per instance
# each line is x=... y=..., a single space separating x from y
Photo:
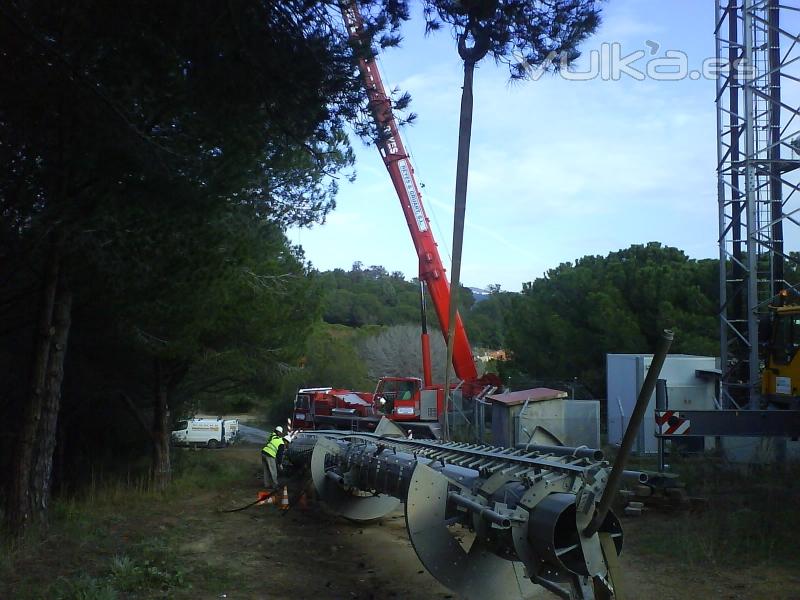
x=574 y=422
x=690 y=386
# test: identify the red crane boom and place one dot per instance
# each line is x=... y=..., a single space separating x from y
x=397 y=162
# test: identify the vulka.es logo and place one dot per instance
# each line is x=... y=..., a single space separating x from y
x=609 y=63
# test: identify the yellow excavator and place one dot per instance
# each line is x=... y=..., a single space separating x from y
x=780 y=381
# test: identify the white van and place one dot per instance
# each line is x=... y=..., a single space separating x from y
x=208 y=432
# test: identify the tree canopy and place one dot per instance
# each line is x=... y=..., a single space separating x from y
x=520 y=33
x=153 y=153
x=373 y=296
x=567 y=321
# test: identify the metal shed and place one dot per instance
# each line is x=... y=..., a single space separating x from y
x=518 y=417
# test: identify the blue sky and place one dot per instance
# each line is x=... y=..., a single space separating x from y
x=559 y=169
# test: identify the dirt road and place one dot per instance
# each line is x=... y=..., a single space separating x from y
x=251 y=435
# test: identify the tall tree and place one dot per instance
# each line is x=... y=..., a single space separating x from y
x=566 y=322
x=111 y=113
x=522 y=33
x=224 y=314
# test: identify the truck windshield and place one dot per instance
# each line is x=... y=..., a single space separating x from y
x=786 y=338
x=180 y=425
x=398 y=389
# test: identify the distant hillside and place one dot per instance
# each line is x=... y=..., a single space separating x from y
x=373 y=296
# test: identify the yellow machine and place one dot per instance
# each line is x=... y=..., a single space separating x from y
x=780 y=381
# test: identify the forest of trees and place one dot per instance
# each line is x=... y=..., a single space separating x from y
x=153 y=155
x=561 y=326
x=373 y=296
x=567 y=321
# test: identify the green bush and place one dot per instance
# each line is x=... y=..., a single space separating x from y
x=129 y=575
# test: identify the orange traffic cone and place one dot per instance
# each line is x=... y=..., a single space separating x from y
x=285 y=499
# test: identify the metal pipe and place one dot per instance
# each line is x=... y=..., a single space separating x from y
x=427 y=377
x=612 y=486
x=661 y=404
x=579 y=452
x=751 y=165
x=636 y=476
x=482 y=511
x=551 y=587
x=334 y=476
x=775 y=146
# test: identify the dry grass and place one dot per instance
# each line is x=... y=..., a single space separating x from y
x=752 y=516
x=117 y=536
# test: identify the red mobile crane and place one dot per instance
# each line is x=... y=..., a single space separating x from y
x=418 y=403
x=396 y=159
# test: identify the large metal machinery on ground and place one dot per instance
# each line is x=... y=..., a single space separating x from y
x=523 y=513
x=529 y=516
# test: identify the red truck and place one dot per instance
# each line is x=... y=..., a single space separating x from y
x=331 y=408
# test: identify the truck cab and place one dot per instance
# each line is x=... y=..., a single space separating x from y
x=405 y=399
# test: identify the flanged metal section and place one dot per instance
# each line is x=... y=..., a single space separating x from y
x=352 y=504
x=475 y=574
x=554 y=531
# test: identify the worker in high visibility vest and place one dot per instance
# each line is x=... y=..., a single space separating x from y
x=269 y=455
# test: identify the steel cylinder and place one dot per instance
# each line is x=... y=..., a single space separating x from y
x=368 y=466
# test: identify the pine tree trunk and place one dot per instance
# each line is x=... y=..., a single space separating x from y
x=161 y=470
x=41 y=477
x=460 y=205
x=19 y=505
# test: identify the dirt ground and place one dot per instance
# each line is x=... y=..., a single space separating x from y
x=308 y=554
x=264 y=553
x=303 y=553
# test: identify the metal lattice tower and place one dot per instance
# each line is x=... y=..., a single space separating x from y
x=758 y=127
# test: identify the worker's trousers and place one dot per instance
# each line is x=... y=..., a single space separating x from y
x=270 y=470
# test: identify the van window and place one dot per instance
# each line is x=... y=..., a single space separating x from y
x=181 y=425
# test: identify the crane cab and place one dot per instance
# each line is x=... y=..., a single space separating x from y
x=780 y=382
x=399 y=397
x=407 y=399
